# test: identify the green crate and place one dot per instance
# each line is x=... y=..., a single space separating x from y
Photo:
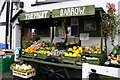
x=5 y=64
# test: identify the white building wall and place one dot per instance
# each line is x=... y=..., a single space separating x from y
x=2 y=34
x=2 y=19
x=97 y=3
x=16 y=35
x=3 y=15
x=119 y=24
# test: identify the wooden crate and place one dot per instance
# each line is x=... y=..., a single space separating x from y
x=26 y=75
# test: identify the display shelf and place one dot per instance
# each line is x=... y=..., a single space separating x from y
x=95 y=54
x=65 y=59
x=51 y=63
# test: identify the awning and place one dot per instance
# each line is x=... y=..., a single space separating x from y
x=62 y=12
x=74 y=11
x=35 y=15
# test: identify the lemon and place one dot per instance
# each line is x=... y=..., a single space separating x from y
x=73 y=50
x=70 y=49
x=71 y=42
x=80 y=51
x=78 y=55
x=80 y=48
x=74 y=55
x=77 y=51
x=74 y=47
x=66 y=54
x=70 y=54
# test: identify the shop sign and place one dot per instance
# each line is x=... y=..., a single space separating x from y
x=35 y=15
x=74 y=11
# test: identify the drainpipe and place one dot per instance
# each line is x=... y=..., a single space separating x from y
x=7 y=22
x=11 y=25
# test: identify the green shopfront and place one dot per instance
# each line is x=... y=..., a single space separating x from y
x=75 y=24
x=75 y=20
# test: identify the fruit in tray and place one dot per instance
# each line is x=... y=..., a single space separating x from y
x=71 y=42
x=29 y=50
x=57 y=52
x=39 y=46
x=21 y=68
x=75 y=51
x=114 y=59
x=114 y=56
x=92 y=49
x=43 y=51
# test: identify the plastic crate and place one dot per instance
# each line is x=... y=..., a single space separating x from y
x=3 y=46
x=27 y=74
x=5 y=64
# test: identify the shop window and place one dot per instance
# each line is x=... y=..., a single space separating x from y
x=43 y=32
x=59 y=31
x=74 y=26
x=89 y=25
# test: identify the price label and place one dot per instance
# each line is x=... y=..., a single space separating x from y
x=84 y=36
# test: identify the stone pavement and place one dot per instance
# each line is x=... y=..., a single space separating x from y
x=6 y=75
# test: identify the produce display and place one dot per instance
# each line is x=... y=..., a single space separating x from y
x=77 y=51
x=23 y=70
x=21 y=67
x=40 y=47
x=34 y=47
x=114 y=56
x=70 y=49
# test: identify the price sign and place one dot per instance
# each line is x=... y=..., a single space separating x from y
x=84 y=36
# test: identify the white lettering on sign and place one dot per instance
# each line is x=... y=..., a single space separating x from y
x=72 y=11
x=36 y=15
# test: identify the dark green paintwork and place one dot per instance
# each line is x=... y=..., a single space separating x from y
x=51 y=63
